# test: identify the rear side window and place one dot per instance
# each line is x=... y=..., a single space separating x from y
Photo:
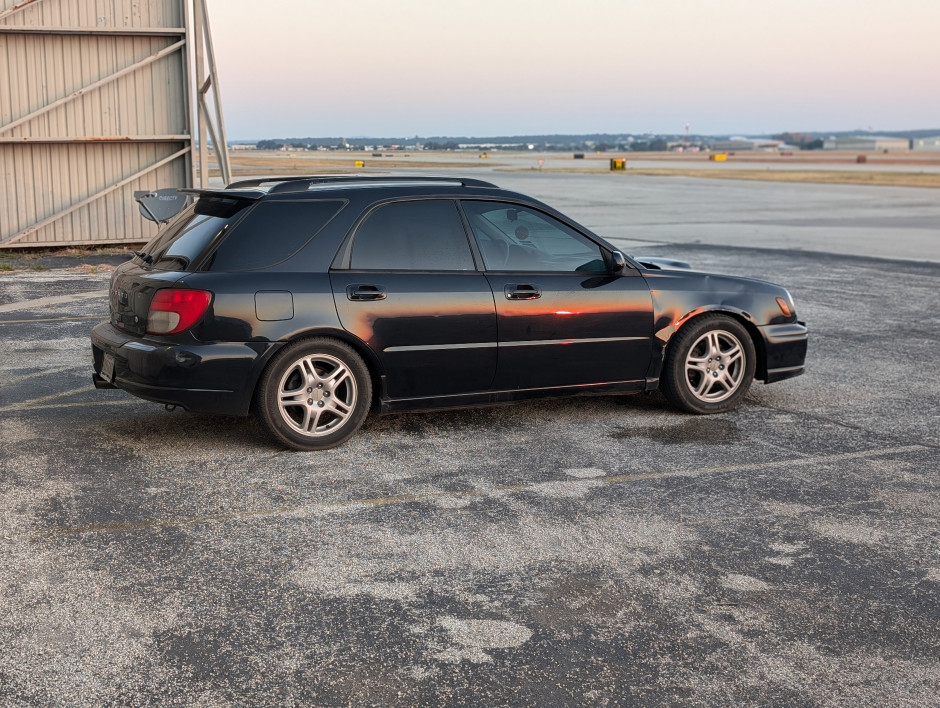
x=271 y=232
x=179 y=245
x=420 y=235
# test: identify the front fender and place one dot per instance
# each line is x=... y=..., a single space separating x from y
x=679 y=297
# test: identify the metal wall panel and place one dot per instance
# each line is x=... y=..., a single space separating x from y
x=94 y=104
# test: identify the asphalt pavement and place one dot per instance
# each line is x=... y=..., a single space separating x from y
x=600 y=551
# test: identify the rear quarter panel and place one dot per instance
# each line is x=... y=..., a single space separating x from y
x=234 y=313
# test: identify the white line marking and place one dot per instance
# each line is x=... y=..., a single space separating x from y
x=35 y=374
x=45 y=399
x=31 y=320
x=53 y=300
x=756 y=467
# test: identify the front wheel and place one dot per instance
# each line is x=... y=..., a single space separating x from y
x=315 y=394
x=709 y=365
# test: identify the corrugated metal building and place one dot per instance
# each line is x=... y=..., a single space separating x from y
x=926 y=143
x=745 y=144
x=866 y=143
x=94 y=104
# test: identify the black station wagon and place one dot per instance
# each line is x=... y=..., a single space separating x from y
x=311 y=301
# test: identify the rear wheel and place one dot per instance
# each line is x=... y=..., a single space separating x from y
x=315 y=394
x=709 y=365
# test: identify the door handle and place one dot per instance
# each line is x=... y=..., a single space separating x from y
x=358 y=292
x=521 y=291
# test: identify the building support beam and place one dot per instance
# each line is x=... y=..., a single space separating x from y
x=100 y=31
x=16 y=8
x=206 y=79
x=91 y=87
x=94 y=197
x=95 y=139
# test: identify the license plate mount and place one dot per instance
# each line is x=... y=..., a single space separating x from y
x=107 y=368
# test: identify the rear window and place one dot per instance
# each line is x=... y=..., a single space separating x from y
x=180 y=244
x=271 y=232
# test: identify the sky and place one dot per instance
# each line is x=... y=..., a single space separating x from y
x=403 y=68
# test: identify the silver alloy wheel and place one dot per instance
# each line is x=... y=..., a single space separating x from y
x=715 y=366
x=316 y=395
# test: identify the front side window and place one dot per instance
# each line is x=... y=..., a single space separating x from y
x=425 y=235
x=517 y=238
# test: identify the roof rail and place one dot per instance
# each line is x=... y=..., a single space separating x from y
x=302 y=184
x=258 y=181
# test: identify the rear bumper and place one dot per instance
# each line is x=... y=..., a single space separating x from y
x=208 y=378
x=785 y=348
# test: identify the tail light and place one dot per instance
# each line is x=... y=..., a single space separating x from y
x=173 y=311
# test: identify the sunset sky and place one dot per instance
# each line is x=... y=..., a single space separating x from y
x=400 y=68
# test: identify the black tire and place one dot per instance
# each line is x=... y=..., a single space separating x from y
x=315 y=394
x=709 y=365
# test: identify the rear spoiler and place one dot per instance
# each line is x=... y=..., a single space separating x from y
x=161 y=205
x=251 y=195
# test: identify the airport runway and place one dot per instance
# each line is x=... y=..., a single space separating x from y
x=889 y=222
x=604 y=551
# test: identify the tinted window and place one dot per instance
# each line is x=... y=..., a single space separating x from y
x=184 y=239
x=271 y=232
x=421 y=235
x=517 y=238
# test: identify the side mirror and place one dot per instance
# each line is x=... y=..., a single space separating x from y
x=619 y=261
x=161 y=205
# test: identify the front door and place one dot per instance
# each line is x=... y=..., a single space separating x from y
x=563 y=319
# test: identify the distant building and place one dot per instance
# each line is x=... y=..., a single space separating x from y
x=744 y=144
x=926 y=143
x=795 y=138
x=868 y=143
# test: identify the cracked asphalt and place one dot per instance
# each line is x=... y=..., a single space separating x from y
x=600 y=552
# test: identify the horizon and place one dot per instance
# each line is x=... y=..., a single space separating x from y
x=525 y=136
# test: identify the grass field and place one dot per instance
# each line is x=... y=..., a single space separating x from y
x=331 y=163
x=874 y=178
x=820 y=168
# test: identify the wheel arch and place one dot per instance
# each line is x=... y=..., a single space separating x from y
x=360 y=347
x=744 y=319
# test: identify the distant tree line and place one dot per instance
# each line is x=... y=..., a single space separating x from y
x=278 y=144
x=449 y=145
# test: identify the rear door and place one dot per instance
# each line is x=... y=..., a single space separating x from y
x=563 y=319
x=412 y=292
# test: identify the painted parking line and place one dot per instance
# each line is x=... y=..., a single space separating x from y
x=326 y=508
x=55 y=400
x=36 y=374
x=31 y=320
x=53 y=300
x=36 y=402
